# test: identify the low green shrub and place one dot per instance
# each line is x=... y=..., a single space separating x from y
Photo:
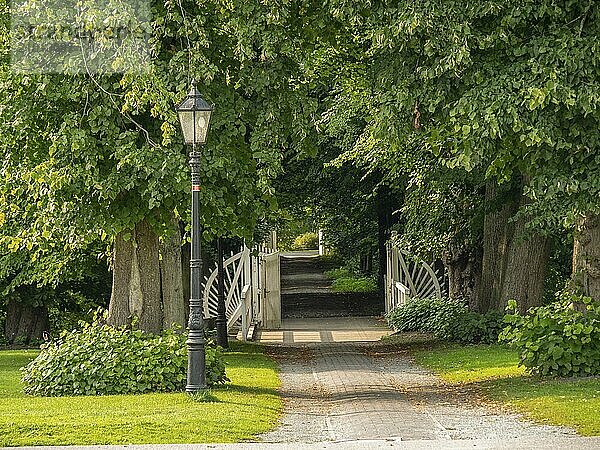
x=354 y=284
x=306 y=241
x=446 y=319
x=415 y=315
x=345 y=280
x=101 y=360
x=556 y=340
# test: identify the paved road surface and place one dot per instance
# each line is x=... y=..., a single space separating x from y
x=366 y=391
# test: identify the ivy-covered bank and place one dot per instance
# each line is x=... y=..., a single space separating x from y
x=557 y=340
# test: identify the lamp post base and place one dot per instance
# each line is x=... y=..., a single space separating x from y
x=196 y=371
x=192 y=388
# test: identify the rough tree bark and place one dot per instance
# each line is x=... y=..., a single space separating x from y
x=586 y=255
x=514 y=263
x=171 y=276
x=118 y=308
x=25 y=323
x=496 y=235
x=136 y=280
x=463 y=267
x=525 y=268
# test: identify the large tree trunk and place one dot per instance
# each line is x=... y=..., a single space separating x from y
x=463 y=267
x=496 y=235
x=514 y=263
x=136 y=280
x=586 y=255
x=525 y=269
x=25 y=323
x=118 y=308
x=172 y=278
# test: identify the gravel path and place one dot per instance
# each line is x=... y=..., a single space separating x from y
x=350 y=391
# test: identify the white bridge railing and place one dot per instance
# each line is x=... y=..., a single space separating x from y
x=251 y=287
x=407 y=277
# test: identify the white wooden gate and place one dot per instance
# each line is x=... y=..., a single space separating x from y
x=408 y=277
x=237 y=290
x=271 y=290
x=252 y=289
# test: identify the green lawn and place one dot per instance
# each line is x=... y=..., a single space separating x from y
x=571 y=402
x=247 y=406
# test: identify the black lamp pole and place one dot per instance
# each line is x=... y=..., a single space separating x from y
x=194 y=114
x=196 y=374
x=221 y=322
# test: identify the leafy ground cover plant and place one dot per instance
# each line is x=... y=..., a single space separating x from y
x=557 y=339
x=101 y=360
x=446 y=319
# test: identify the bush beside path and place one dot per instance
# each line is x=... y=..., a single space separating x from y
x=240 y=410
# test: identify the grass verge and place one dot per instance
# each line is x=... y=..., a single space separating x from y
x=494 y=369
x=247 y=406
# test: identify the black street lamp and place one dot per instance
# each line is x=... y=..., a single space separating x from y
x=194 y=116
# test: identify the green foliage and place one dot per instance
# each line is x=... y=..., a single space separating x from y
x=290 y=226
x=306 y=241
x=340 y=272
x=441 y=96
x=560 y=265
x=87 y=156
x=101 y=360
x=557 y=339
x=414 y=315
x=446 y=319
x=346 y=280
x=352 y=284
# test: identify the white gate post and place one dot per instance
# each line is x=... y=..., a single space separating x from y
x=256 y=310
x=321 y=244
x=271 y=298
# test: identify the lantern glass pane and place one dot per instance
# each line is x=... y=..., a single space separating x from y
x=202 y=122
x=186 y=118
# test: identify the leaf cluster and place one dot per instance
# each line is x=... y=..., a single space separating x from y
x=103 y=360
x=306 y=241
x=557 y=339
x=449 y=320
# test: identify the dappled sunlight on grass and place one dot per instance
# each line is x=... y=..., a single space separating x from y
x=572 y=402
x=493 y=368
x=243 y=408
x=459 y=363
